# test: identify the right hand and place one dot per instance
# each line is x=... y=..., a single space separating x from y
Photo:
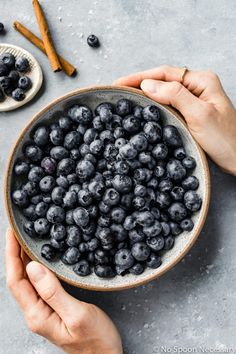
x=209 y=113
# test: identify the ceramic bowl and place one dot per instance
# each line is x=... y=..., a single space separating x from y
x=92 y=97
x=34 y=73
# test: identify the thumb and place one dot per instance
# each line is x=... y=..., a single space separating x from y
x=176 y=95
x=50 y=290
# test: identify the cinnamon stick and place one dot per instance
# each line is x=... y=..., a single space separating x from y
x=46 y=37
x=67 y=67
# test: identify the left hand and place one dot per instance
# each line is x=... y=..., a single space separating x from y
x=73 y=325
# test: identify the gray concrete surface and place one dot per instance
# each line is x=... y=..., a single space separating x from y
x=193 y=305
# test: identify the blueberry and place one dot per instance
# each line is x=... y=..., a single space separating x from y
x=28 y=227
x=58 y=232
x=33 y=152
x=69 y=199
x=101 y=256
x=82 y=268
x=104 y=208
x=138 y=202
x=192 y=201
x=36 y=199
x=85 y=169
x=187 y=224
x=175 y=228
x=57 y=195
x=124 y=258
x=56 y=136
x=69 y=217
x=83 y=247
x=62 y=182
x=59 y=153
x=21 y=168
x=96 y=188
x=140 y=251
x=145 y=218
x=189 y=163
x=42 y=226
x=160 y=151
x=122 y=183
x=96 y=147
x=93 y=211
x=65 y=123
x=175 y=170
x=110 y=152
x=159 y=171
x=2 y=30
x=48 y=252
x=163 y=199
x=155 y=243
x=65 y=167
x=151 y=113
x=104 y=271
x=104 y=221
x=41 y=135
x=55 y=214
x=145 y=157
x=179 y=153
x=153 y=183
x=153 y=230
x=177 y=211
x=119 y=133
x=128 y=152
x=111 y=197
x=31 y=188
x=24 y=83
x=105 y=114
x=190 y=182
x=35 y=174
x=171 y=136
x=80 y=114
x=106 y=136
x=177 y=193
x=93 y=244
x=84 y=197
x=3 y=69
x=123 y=107
x=169 y=242
x=137 y=111
x=156 y=213
x=122 y=167
x=165 y=228
x=105 y=235
x=5 y=82
x=18 y=94
x=14 y=76
x=72 y=140
x=140 y=190
x=8 y=59
x=131 y=124
x=81 y=216
x=118 y=215
x=129 y=223
x=106 y=105
x=136 y=235
x=139 y=142
x=22 y=64
x=47 y=183
x=165 y=185
x=154 y=261
x=97 y=123
x=71 y=256
x=74 y=236
x=48 y=164
x=20 y=198
x=119 y=233
x=41 y=209
x=74 y=154
x=93 y=41
x=29 y=212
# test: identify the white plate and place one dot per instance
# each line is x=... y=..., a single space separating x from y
x=35 y=74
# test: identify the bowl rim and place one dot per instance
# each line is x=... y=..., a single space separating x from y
x=159 y=271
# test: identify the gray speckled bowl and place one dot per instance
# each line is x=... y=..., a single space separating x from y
x=92 y=97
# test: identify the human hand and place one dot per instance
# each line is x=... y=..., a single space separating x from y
x=209 y=113
x=74 y=326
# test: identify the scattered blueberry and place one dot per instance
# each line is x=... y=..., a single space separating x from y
x=93 y=41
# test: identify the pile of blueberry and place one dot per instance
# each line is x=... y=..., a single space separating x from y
x=110 y=191
x=12 y=83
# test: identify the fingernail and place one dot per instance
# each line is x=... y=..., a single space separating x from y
x=149 y=86
x=35 y=271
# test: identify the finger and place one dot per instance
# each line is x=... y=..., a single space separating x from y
x=25 y=260
x=203 y=84
x=50 y=290
x=20 y=287
x=176 y=95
